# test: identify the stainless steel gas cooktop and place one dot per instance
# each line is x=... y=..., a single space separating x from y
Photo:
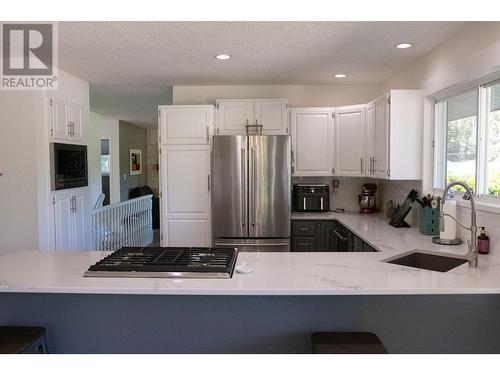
x=173 y=262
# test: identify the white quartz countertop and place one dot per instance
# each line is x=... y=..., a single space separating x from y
x=274 y=273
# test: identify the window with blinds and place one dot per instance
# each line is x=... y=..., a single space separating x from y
x=467 y=139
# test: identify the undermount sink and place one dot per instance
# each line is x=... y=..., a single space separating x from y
x=426 y=261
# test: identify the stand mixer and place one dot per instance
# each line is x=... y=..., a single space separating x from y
x=368 y=199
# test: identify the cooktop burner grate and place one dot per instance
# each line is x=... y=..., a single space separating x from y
x=166 y=262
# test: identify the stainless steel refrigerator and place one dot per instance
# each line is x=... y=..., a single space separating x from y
x=251 y=192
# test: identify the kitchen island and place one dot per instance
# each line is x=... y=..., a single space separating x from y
x=272 y=310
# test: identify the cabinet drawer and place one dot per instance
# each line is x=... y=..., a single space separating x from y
x=303 y=244
x=303 y=228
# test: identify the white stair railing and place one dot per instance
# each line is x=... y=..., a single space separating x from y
x=128 y=223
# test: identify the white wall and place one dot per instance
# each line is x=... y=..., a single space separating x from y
x=298 y=96
x=107 y=127
x=18 y=193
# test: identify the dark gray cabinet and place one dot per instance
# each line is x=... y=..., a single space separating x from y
x=325 y=236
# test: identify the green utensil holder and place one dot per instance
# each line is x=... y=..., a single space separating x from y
x=429 y=221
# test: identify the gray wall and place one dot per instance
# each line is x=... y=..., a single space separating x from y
x=131 y=137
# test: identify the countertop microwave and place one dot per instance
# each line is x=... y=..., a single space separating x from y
x=68 y=166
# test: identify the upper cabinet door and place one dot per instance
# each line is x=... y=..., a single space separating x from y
x=370 y=139
x=312 y=141
x=75 y=127
x=234 y=115
x=349 y=141
x=188 y=124
x=272 y=115
x=59 y=119
x=381 y=161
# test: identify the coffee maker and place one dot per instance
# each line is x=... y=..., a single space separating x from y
x=368 y=199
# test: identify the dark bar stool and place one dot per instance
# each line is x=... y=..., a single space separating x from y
x=22 y=340
x=346 y=343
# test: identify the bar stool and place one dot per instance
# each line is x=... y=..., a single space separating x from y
x=23 y=340
x=346 y=343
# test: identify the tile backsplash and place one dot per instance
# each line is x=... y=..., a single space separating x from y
x=346 y=195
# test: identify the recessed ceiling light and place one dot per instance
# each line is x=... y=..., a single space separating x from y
x=403 y=45
x=340 y=75
x=222 y=57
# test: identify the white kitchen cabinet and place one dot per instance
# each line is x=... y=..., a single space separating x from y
x=398 y=135
x=380 y=162
x=186 y=124
x=75 y=112
x=312 y=141
x=185 y=195
x=234 y=114
x=66 y=120
x=370 y=143
x=69 y=219
x=272 y=115
x=349 y=141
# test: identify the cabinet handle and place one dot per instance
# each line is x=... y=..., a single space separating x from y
x=303 y=229
x=208 y=135
x=361 y=166
x=208 y=180
x=321 y=203
x=340 y=236
x=305 y=206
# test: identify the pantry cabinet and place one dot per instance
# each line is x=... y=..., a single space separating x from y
x=66 y=120
x=235 y=114
x=349 y=141
x=186 y=124
x=69 y=218
x=185 y=195
x=312 y=141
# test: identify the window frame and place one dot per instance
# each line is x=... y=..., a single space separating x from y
x=440 y=139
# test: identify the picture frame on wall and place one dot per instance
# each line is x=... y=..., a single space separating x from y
x=135 y=161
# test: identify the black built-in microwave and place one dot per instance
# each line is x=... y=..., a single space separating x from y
x=68 y=166
x=311 y=198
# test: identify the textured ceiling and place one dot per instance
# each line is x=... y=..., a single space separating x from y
x=146 y=57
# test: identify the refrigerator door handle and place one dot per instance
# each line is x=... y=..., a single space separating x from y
x=243 y=186
x=254 y=185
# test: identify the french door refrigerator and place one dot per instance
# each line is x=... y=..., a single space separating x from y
x=251 y=192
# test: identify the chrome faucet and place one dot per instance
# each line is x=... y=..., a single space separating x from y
x=472 y=251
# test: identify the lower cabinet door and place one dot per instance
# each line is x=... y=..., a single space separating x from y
x=357 y=244
x=327 y=236
x=63 y=215
x=304 y=244
x=368 y=249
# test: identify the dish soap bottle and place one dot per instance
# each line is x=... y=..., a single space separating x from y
x=483 y=242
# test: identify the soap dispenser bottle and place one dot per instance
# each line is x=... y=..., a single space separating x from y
x=483 y=242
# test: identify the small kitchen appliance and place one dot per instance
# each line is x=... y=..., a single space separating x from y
x=311 y=198
x=172 y=262
x=368 y=199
